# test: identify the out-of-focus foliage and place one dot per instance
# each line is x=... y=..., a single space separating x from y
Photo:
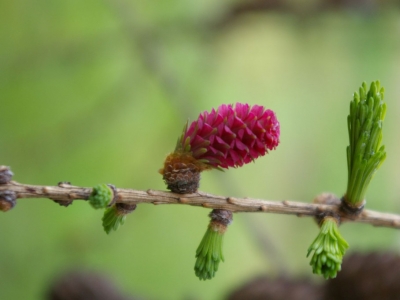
x=98 y=91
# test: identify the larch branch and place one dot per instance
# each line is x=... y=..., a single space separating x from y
x=65 y=192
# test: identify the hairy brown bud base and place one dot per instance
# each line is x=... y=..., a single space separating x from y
x=351 y=209
x=221 y=216
x=181 y=172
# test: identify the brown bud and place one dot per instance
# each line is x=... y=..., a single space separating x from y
x=327 y=198
x=221 y=216
x=7 y=200
x=5 y=174
x=124 y=208
x=64 y=203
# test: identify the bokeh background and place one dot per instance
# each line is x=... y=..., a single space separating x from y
x=98 y=92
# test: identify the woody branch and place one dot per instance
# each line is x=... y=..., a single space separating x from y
x=65 y=193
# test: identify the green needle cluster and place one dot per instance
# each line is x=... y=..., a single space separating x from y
x=209 y=253
x=329 y=248
x=112 y=219
x=101 y=196
x=114 y=216
x=365 y=153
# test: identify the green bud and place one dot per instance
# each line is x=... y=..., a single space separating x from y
x=329 y=248
x=209 y=253
x=115 y=216
x=364 y=153
x=112 y=219
x=101 y=196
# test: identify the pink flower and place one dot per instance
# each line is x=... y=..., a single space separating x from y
x=231 y=135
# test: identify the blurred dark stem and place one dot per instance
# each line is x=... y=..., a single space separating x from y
x=151 y=49
x=305 y=10
x=258 y=233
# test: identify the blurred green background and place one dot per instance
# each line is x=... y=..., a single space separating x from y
x=98 y=92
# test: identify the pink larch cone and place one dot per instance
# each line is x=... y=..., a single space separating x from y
x=232 y=135
x=227 y=137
